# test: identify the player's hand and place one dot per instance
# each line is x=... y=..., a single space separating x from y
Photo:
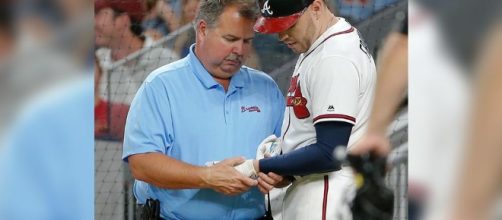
x=267 y=182
x=247 y=169
x=372 y=143
x=269 y=147
x=224 y=178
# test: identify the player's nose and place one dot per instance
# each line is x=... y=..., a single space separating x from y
x=282 y=36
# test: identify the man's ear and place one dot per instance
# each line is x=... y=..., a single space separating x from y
x=201 y=28
x=316 y=7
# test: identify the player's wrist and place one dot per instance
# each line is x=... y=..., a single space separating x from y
x=256 y=165
x=376 y=131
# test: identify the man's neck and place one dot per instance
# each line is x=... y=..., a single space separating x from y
x=125 y=46
x=225 y=82
x=326 y=22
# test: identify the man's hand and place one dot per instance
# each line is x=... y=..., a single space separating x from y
x=269 y=147
x=267 y=182
x=372 y=143
x=224 y=178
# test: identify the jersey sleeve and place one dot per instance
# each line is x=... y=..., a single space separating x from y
x=149 y=124
x=334 y=89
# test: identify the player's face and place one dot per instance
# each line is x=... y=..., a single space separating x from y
x=225 y=47
x=299 y=36
x=104 y=27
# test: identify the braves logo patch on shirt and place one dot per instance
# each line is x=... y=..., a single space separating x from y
x=297 y=101
x=250 y=109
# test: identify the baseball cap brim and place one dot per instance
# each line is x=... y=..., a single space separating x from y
x=269 y=25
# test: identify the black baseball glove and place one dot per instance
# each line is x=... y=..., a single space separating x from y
x=374 y=200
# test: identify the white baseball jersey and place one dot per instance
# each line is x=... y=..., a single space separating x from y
x=333 y=81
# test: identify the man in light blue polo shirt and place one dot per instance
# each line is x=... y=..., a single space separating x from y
x=204 y=107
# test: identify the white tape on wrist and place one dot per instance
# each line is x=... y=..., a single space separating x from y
x=247 y=169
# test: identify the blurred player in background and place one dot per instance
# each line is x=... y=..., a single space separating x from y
x=46 y=159
x=479 y=185
x=442 y=72
x=46 y=152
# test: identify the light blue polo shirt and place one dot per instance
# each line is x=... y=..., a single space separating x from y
x=181 y=111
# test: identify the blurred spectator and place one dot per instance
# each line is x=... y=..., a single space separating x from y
x=126 y=57
x=6 y=32
x=160 y=19
x=187 y=38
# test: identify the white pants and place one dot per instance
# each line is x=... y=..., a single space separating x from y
x=321 y=196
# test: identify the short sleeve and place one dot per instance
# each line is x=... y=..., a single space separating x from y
x=149 y=123
x=334 y=90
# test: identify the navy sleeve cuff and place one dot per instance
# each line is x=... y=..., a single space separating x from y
x=314 y=158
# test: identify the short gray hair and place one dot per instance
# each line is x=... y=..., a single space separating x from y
x=210 y=10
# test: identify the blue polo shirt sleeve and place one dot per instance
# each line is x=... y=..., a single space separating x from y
x=279 y=111
x=149 y=125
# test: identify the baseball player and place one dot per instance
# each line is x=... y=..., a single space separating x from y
x=328 y=105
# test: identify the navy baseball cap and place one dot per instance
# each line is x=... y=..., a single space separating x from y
x=279 y=15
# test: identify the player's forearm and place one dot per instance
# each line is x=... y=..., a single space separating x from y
x=391 y=82
x=315 y=158
x=166 y=172
x=311 y=159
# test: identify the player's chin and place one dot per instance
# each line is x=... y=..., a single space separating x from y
x=297 y=50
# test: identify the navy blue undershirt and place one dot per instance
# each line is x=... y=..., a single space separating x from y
x=314 y=158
